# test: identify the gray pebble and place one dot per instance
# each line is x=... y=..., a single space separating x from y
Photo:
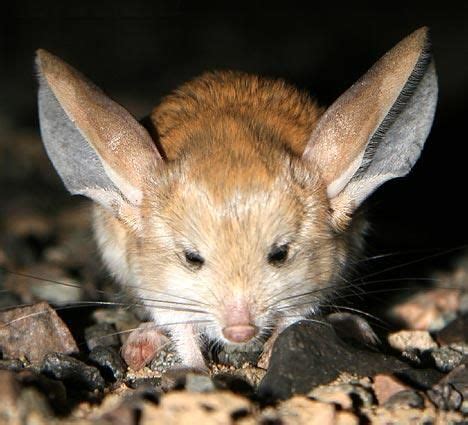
x=101 y=334
x=408 y=398
x=165 y=359
x=445 y=397
x=143 y=383
x=198 y=383
x=109 y=362
x=446 y=358
x=62 y=367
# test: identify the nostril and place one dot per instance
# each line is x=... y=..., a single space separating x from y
x=240 y=333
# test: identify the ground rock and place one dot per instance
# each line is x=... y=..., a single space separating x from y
x=346 y=396
x=185 y=408
x=411 y=341
x=446 y=358
x=385 y=386
x=405 y=398
x=307 y=355
x=109 y=362
x=397 y=415
x=302 y=410
x=428 y=310
x=238 y=356
x=122 y=319
x=66 y=368
x=195 y=382
x=103 y=334
x=165 y=359
x=32 y=332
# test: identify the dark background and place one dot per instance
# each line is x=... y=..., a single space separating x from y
x=139 y=51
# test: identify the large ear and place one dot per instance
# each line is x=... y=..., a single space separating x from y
x=376 y=130
x=98 y=149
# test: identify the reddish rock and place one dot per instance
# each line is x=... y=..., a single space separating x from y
x=385 y=386
x=423 y=311
x=33 y=331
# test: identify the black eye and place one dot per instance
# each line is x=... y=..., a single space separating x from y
x=194 y=258
x=278 y=254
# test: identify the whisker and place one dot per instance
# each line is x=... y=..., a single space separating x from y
x=418 y=260
x=100 y=291
x=79 y=304
x=320 y=322
x=155 y=326
x=356 y=310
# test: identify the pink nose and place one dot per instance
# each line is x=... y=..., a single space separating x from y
x=240 y=333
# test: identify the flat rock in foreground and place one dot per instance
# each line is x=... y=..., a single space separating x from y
x=307 y=355
x=32 y=332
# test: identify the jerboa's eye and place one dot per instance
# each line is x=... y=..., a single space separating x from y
x=278 y=254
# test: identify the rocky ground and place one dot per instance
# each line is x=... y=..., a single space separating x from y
x=63 y=322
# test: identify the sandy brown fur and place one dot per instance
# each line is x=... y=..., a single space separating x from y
x=271 y=108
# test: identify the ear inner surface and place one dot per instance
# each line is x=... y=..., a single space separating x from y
x=74 y=159
x=95 y=144
x=361 y=135
x=390 y=159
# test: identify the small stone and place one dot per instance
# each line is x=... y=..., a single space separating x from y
x=385 y=386
x=445 y=397
x=238 y=356
x=123 y=320
x=346 y=396
x=411 y=340
x=420 y=378
x=109 y=362
x=165 y=359
x=32 y=332
x=198 y=383
x=184 y=408
x=446 y=358
x=458 y=378
x=405 y=398
x=102 y=334
x=301 y=410
x=455 y=332
x=306 y=355
x=425 y=310
x=143 y=382
x=63 y=367
x=460 y=347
